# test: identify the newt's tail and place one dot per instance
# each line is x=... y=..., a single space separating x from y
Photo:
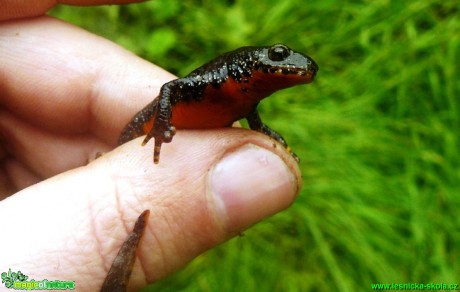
x=118 y=277
x=140 y=124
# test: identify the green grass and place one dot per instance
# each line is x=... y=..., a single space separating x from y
x=377 y=132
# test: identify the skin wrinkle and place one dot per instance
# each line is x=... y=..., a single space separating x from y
x=16 y=163
x=96 y=236
x=154 y=232
x=121 y=222
x=80 y=267
x=84 y=73
x=7 y=135
x=171 y=249
x=143 y=267
x=96 y=100
x=93 y=98
x=100 y=238
x=34 y=162
x=73 y=260
x=158 y=249
x=90 y=105
x=5 y=182
x=171 y=231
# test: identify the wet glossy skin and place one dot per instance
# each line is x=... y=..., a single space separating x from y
x=215 y=95
x=221 y=92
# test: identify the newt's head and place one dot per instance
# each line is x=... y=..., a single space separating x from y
x=263 y=70
x=284 y=66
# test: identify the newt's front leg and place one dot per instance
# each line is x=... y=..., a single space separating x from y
x=255 y=123
x=154 y=120
x=118 y=277
x=162 y=130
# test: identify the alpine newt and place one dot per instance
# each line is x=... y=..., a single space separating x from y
x=221 y=92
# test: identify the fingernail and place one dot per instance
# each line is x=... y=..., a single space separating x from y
x=250 y=184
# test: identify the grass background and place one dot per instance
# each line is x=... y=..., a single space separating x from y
x=377 y=132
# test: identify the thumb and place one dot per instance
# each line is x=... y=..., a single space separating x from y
x=208 y=187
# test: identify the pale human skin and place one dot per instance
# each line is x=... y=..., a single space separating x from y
x=65 y=95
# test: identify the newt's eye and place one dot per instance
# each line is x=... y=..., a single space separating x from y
x=278 y=52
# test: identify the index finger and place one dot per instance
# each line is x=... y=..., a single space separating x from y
x=63 y=79
x=12 y=9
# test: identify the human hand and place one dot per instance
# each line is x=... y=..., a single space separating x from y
x=65 y=95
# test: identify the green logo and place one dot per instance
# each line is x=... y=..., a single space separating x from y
x=18 y=281
x=10 y=278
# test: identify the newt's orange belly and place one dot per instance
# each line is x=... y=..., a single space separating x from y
x=205 y=115
x=218 y=108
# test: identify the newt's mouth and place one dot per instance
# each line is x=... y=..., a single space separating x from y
x=303 y=75
x=307 y=73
